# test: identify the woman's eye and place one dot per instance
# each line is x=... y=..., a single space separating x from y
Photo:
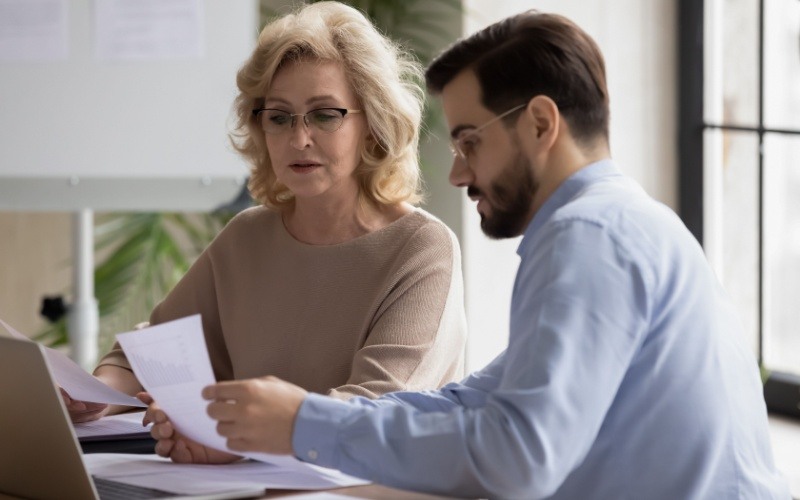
x=324 y=116
x=278 y=118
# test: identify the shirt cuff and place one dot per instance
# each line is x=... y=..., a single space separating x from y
x=316 y=429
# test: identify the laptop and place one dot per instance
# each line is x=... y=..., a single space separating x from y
x=39 y=454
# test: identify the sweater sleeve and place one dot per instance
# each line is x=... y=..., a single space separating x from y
x=417 y=338
x=195 y=293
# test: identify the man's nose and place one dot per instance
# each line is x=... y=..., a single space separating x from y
x=460 y=173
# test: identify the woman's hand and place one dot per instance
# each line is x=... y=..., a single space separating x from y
x=256 y=414
x=171 y=444
x=82 y=411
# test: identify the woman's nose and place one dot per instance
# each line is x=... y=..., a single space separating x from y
x=300 y=133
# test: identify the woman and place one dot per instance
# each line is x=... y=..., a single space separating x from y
x=335 y=282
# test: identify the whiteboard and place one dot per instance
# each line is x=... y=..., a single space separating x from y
x=125 y=135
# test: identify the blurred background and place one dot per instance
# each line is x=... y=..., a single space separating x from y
x=705 y=114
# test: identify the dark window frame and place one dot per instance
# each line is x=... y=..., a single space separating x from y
x=781 y=390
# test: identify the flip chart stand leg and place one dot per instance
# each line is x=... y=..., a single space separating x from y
x=83 y=318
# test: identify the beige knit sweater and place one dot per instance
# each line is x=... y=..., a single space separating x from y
x=379 y=313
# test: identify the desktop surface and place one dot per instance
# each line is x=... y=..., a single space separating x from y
x=371 y=491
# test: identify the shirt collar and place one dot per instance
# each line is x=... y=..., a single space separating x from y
x=573 y=185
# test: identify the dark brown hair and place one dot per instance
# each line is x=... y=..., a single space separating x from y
x=532 y=54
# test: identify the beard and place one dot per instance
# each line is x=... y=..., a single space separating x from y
x=510 y=198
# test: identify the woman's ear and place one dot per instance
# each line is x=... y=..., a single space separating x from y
x=373 y=146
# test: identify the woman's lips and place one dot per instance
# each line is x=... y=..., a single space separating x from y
x=303 y=168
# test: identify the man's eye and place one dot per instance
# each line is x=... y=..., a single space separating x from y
x=468 y=145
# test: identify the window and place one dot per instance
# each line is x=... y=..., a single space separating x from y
x=739 y=143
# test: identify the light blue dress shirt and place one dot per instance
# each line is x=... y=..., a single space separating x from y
x=625 y=375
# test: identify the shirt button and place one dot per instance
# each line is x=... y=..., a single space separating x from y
x=312 y=454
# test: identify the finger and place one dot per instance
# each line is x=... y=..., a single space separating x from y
x=145 y=397
x=162 y=431
x=180 y=453
x=94 y=406
x=157 y=415
x=229 y=430
x=65 y=396
x=231 y=389
x=89 y=411
x=76 y=406
x=164 y=447
x=222 y=411
x=85 y=417
x=159 y=432
x=149 y=415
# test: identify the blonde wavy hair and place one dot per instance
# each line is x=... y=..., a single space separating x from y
x=385 y=79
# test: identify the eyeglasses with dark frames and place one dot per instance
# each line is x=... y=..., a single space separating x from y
x=276 y=121
x=461 y=146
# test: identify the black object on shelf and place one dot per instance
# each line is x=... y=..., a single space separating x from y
x=53 y=308
x=782 y=394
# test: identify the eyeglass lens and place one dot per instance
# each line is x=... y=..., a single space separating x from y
x=460 y=148
x=275 y=121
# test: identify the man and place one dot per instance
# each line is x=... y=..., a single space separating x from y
x=625 y=375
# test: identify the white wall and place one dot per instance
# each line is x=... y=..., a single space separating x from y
x=127 y=133
x=638 y=40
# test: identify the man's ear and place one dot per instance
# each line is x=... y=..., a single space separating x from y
x=542 y=121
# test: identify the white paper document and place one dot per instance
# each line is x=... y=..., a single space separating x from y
x=34 y=30
x=147 y=30
x=171 y=361
x=74 y=379
x=114 y=426
x=153 y=471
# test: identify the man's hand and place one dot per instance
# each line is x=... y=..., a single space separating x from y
x=171 y=444
x=256 y=414
x=82 y=411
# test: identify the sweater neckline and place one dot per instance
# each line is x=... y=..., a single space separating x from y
x=364 y=238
